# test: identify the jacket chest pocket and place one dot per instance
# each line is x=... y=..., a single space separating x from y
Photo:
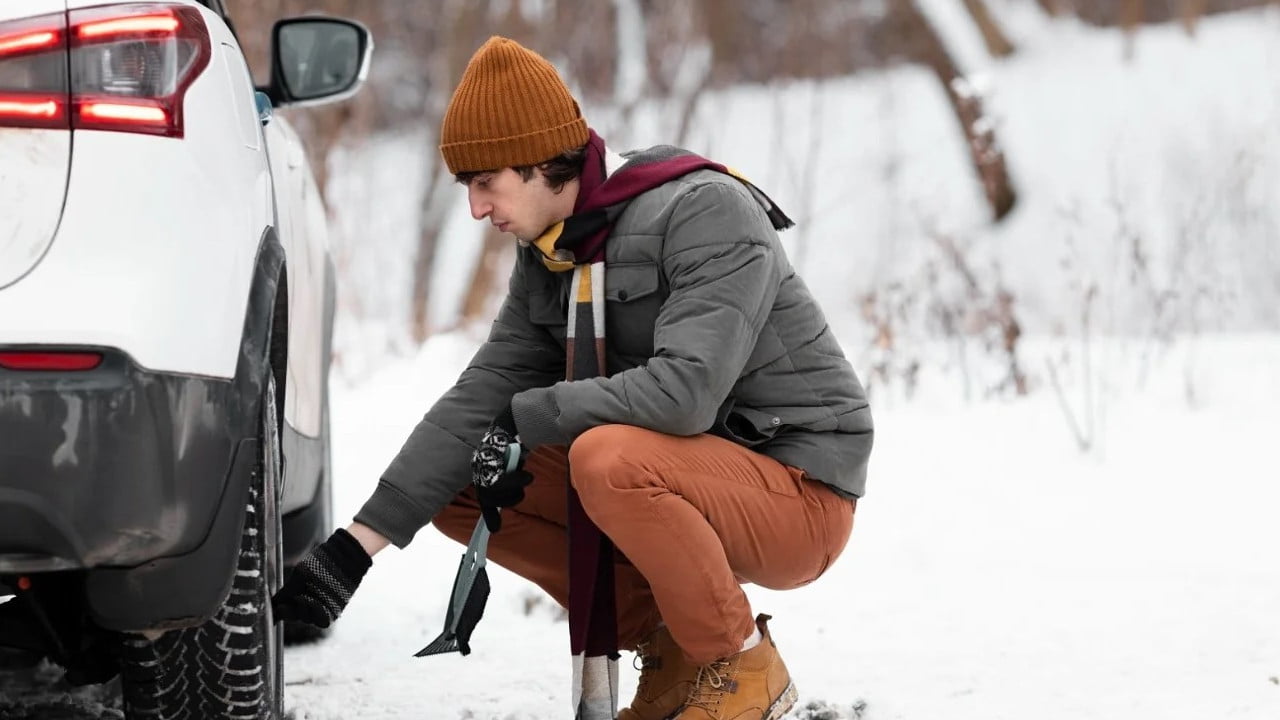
x=633 y=299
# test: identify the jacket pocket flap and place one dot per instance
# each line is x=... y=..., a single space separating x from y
x=751 y=426
x=624 y=283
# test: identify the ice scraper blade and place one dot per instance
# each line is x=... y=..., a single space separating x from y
x=466 y=602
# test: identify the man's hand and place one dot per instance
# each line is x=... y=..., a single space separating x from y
x=321 y=585
x=497 y=469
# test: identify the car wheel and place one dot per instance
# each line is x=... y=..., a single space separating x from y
x=230 y=666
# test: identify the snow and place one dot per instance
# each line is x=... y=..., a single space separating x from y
x=994 y=571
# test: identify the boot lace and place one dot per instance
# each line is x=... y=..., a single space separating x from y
x=645 y=663
x=711 y=684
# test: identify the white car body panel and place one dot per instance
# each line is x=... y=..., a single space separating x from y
x=303 y=229
x=32 y=177
x=199 y=230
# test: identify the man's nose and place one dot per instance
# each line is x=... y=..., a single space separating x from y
x=480 y=208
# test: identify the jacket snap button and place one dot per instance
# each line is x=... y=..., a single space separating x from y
x=776 y=421
x=622 y=295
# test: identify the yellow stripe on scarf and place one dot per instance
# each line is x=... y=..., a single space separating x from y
x=584 y=286
x=555 y=259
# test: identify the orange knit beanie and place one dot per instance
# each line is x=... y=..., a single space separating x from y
x=510 y=109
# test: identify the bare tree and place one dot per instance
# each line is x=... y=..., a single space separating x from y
x=917 y=37
x=1190 y=12
x=998 y=44
x=1053 y=8
x=466 y=21
x=1131 y=12
x=486 y=277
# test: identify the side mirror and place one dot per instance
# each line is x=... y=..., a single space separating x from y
x=317 y=60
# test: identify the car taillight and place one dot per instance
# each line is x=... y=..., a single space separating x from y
x=33 y=73
x=49 y=360
x=129 y=68
x=131 y=65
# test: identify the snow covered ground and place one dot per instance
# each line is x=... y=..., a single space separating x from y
x=994 y=570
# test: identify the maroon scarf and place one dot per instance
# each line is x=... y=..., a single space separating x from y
x=578 y=244
x=601 y=199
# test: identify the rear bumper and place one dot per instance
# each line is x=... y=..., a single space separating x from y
x=112 y=467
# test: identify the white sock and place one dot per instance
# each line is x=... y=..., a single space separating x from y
x=752 y=640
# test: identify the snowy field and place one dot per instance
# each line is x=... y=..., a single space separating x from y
x=994 y=570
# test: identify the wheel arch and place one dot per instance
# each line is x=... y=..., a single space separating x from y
x=185 y=590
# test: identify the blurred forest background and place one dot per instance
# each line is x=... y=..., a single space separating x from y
x=682 y=61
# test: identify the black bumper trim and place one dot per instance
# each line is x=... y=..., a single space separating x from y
x=175 y=591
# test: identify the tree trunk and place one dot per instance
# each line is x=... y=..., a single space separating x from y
x=466 y=19
x=921 y=39
x=1130 y=21
x=722 y=20
x=998 y=44
x=1190 y=12
x=480 y=289
x=1052 y=8
x=435 y=205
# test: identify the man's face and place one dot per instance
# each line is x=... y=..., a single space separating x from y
x=515 y=206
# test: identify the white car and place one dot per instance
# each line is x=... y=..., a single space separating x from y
x=166 y=304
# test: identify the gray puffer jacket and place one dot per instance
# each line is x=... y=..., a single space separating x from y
x=709 y=330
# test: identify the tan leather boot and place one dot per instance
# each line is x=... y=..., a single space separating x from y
x=665 y=679
x=752 y=685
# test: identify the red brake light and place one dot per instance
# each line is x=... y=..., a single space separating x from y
x=164 y=24
x=33 y=72
x=37 y=109
x=118 y=112
x=28 y=42
x=44 y=360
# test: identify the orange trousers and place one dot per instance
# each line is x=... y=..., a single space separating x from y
x=692 y=518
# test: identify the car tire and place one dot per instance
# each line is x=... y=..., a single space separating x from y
x=231 y=666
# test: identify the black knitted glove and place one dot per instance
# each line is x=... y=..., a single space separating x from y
x=321 y=585
x=498 y=483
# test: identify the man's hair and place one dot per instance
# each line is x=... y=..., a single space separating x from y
x=559 y=170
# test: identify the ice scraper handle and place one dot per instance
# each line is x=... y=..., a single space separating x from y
x=497 y=470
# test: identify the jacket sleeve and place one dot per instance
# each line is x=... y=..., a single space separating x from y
x=720 y=259
x=434 y=464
